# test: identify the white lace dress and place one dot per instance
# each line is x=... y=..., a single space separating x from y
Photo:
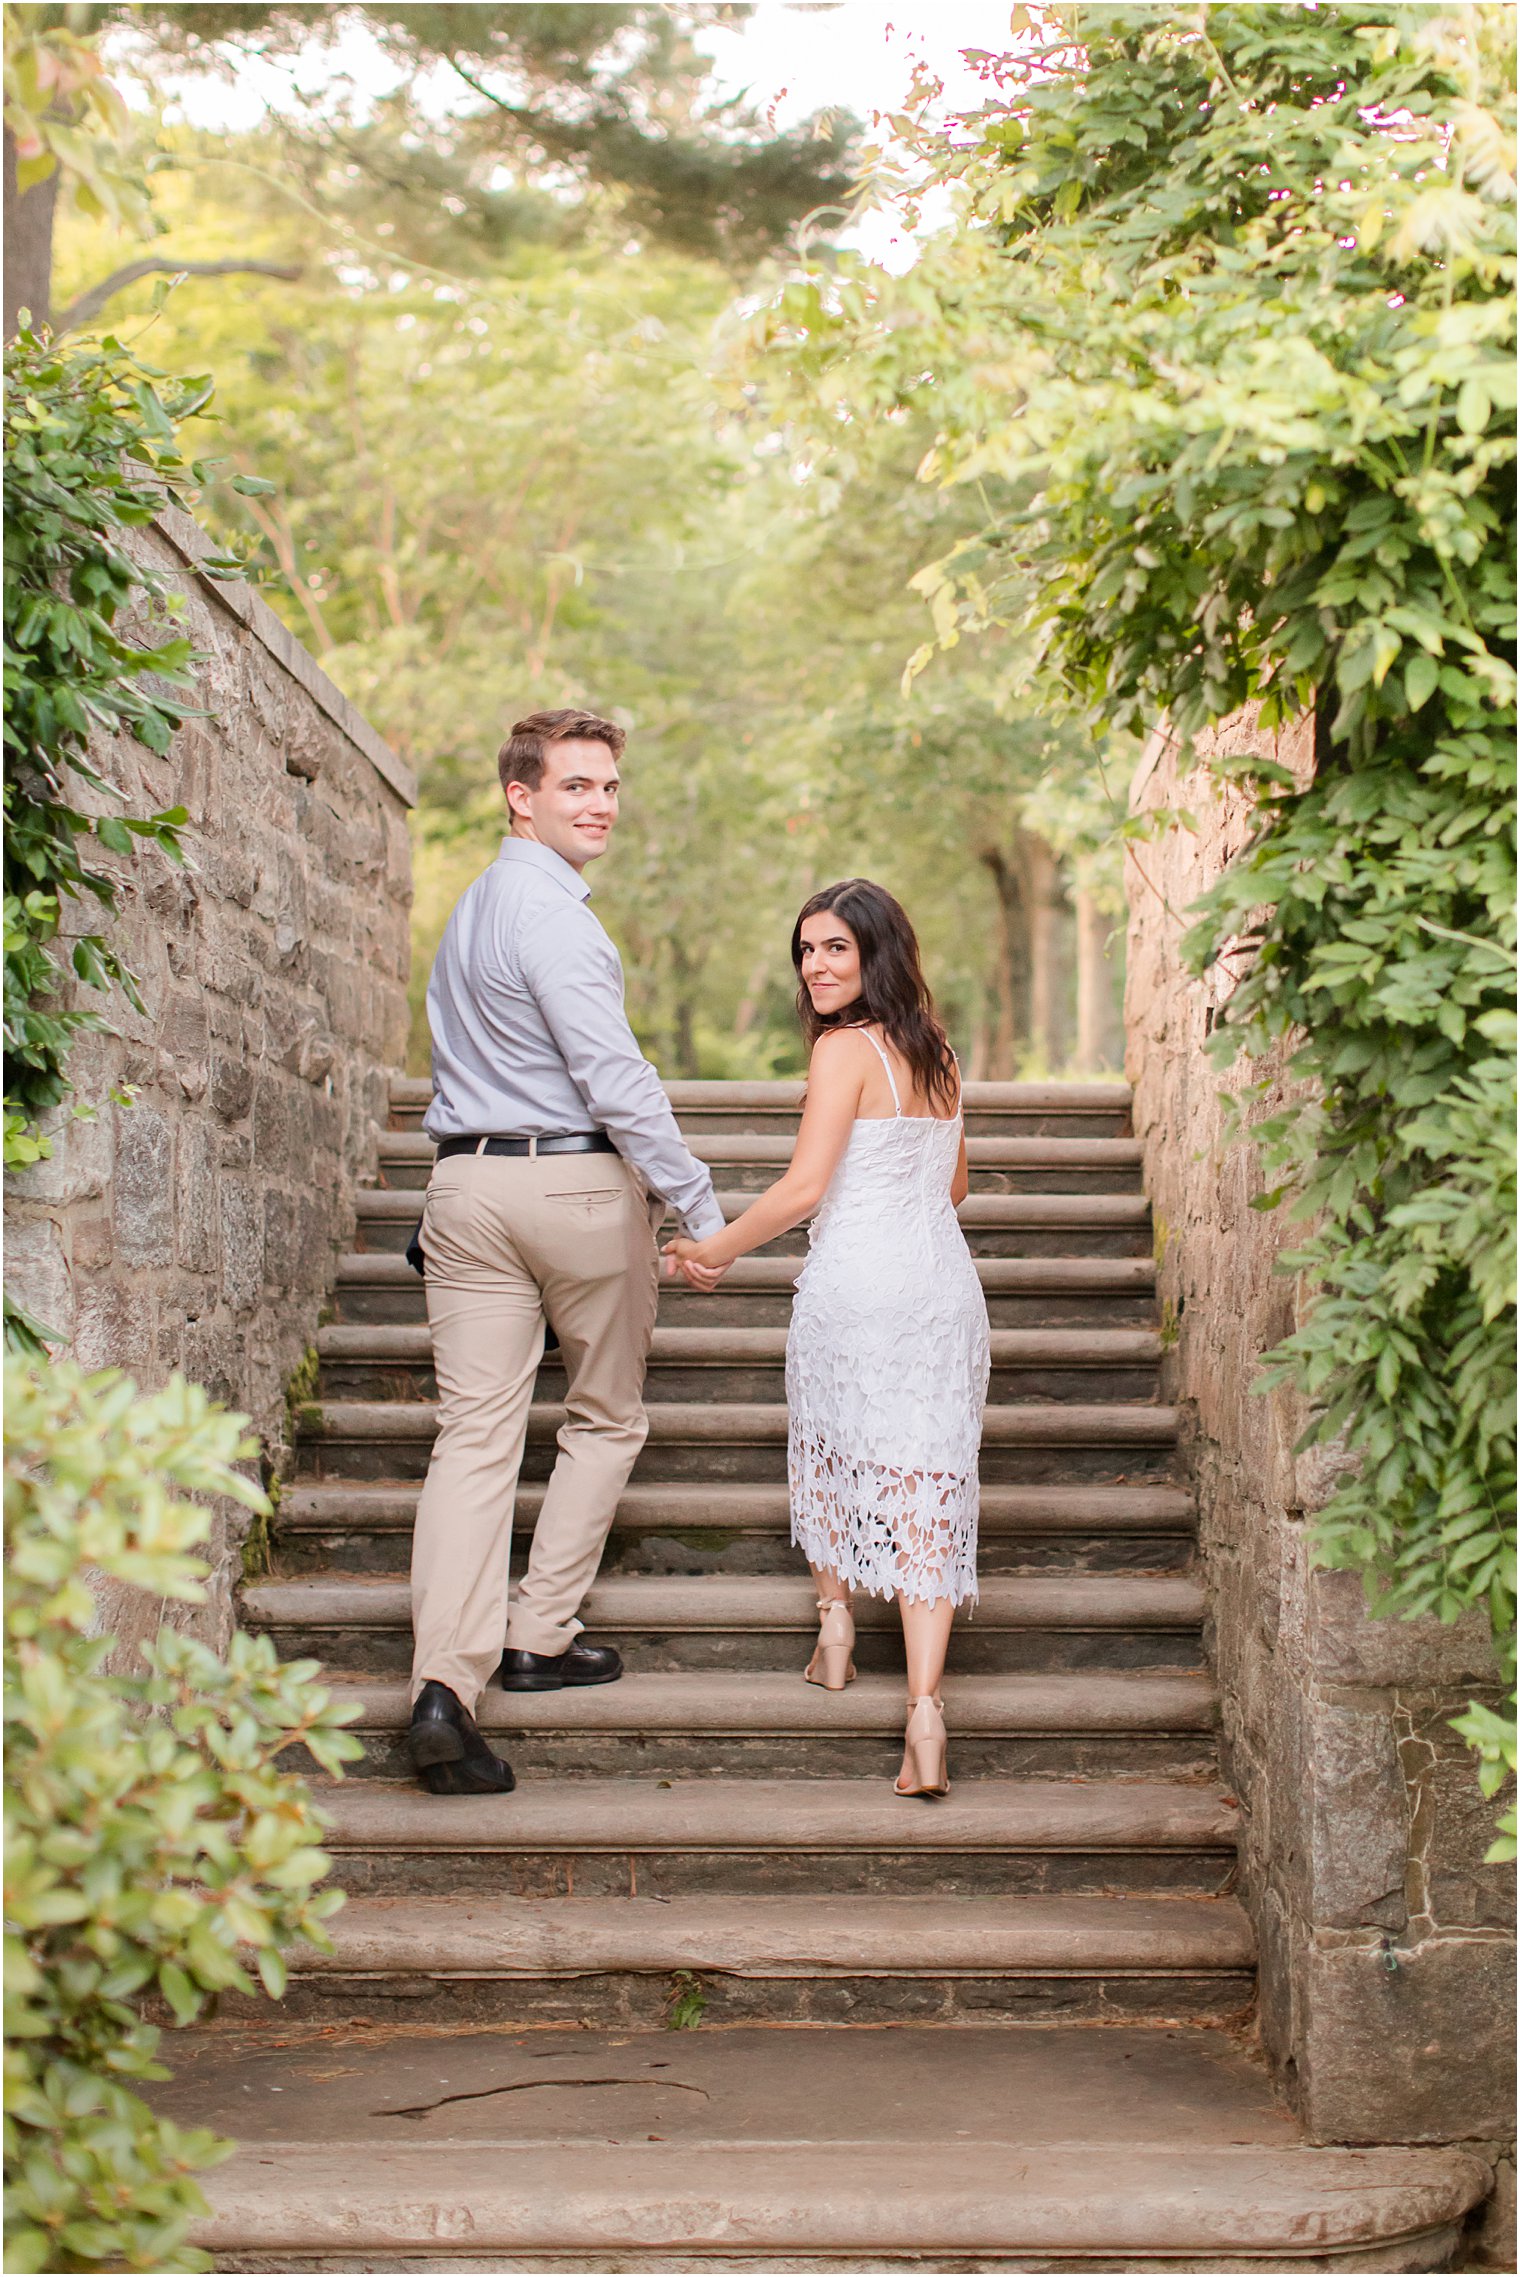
x=886 y=1368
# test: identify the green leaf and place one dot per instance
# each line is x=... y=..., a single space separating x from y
x=1420 y=676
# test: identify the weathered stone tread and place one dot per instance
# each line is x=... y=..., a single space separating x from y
x=764 y=1702
x=411 y=1342
x=1035 y=1423
x=665 y=1603
x=725 y=1148
x=999 y=1276
x=409 y=1092
x=780 y=1815
x=783 y=1936
x=669 y=2203
x=306 y=1506
x=403 y=1204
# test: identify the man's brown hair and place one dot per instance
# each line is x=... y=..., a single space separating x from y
x=521 y=757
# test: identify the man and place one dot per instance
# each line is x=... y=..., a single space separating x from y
x=554 y=1133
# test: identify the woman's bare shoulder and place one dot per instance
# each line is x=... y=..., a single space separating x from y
x=839 y=1048
x=840 y=1061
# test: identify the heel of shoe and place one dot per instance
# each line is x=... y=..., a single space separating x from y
x=925 y=1749
x=833 y=1665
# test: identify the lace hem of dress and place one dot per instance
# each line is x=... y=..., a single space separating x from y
x=885 y=1531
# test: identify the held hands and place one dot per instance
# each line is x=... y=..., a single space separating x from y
x=686 y=1257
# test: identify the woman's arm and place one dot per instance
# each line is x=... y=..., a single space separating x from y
x=960 y=1184
x=836 y=1078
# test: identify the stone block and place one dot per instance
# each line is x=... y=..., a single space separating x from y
x=196 y=1216
x=1453 y=1821
x=114 y=1328
x=231 y=1089
x=79 y=1166
x=1408 y=2045
x=318 y=1226
x=1349 y=1646
x=37 y=1274
x=210 y=1355
x=242 y=1243
x=272 y=1143
x=1491 y=2241
x=1350 y=1768
x=282 y=1240
x=90 y=1240
x=142 y=1193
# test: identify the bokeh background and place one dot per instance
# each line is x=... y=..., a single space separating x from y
x=532 y=441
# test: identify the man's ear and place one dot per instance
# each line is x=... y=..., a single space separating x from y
x=524 y=811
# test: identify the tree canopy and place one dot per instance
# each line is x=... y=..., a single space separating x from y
x=558 y=110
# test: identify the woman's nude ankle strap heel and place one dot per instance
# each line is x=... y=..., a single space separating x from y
x=831 y=1664
x=923 y=1768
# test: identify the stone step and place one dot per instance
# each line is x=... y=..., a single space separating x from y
x=1032 y=1621
x=611 y=1961
x=982 y=2148
x=995 y=1225
x=642 y=1836
x=996 y=1109
x=750 y=1160
x=690 y=1528
x=702 y=1362
x=674 y=2208
x=739 y=1441
x=1021 y=1292
x=761 y=1721
x=635 y=1605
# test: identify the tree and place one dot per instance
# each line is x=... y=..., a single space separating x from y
x=608 y=96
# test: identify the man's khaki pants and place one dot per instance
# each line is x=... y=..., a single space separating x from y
x=510 y=1240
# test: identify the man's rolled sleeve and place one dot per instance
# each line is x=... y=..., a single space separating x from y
x=573 y=970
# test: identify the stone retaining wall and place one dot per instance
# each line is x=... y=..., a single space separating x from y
x=1386 y=1946
x=196 y=1228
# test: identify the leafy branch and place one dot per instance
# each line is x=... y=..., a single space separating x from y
x=92 y=648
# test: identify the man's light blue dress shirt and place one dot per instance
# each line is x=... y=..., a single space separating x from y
x=530 y=1035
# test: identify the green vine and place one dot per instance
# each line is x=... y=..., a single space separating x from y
x=90 y=649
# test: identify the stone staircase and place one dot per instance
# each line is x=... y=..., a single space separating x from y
x=712 y=1843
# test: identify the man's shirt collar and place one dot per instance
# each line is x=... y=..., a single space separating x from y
x=540 y=857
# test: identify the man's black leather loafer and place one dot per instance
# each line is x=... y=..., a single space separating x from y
x=550 y=1672
x=449 y=1748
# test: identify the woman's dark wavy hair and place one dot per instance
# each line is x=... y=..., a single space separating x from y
x=893 y=991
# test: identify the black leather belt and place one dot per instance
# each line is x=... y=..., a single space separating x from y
x=552 y=1142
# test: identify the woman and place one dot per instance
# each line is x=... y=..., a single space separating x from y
x=887 y=1356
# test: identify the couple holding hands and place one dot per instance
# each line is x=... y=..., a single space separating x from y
x=558 y=1153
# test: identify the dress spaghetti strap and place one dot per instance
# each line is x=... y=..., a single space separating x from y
x=887 y=1064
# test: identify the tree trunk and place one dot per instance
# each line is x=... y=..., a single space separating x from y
x=686 y=974
x=1042 y=904
x=1010 y=970
x=981 y=1042
x=1097 y=1039
x=28 y=245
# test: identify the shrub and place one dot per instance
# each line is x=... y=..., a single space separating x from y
x=151 y=1842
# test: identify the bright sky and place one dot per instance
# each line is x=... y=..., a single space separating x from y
x=792 y=57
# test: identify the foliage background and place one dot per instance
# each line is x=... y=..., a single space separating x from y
x=519 y=459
